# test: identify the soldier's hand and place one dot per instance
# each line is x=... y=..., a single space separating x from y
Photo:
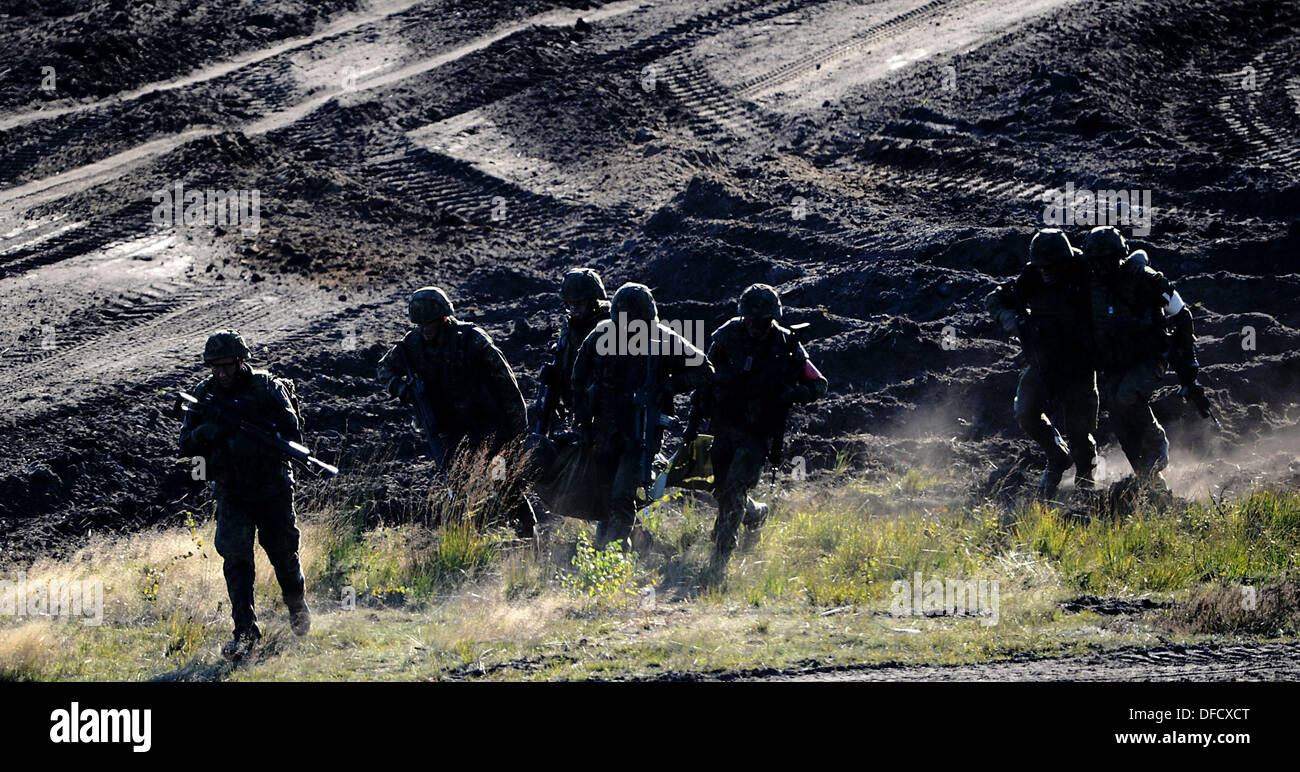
x=405 y=392
x=241 y=445
x=1007 y=318
x=789 y=396
x=206 y=433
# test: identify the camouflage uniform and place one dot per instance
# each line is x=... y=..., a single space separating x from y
x=473 y=393
x=478 y=398
x=1055 y=339
x=1139 y=327
x=755 y=382
x=606 y=384
x=253 y=487
x=557 y=373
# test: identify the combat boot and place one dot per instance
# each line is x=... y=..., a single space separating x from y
x=1058 y=460
x=755 y=517
x=241 y=644
x=715 y=571
x=299 y=614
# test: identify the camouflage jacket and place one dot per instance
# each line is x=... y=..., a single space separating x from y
x=607 y=376
x=750 y=377
x=564 y=352
x=471 y=388
x=1128 y=314
x=239 y=466
x=1058 y=339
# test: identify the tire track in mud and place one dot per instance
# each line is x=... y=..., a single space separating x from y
x=723 y=110
x=164 y=337
x=103 y=232
x=1238 y=106
x=348 y=24
x=154 y=327
x=451 y=185
x=725 y=107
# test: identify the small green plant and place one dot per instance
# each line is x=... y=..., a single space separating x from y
x=606 y=575
x=185 y=635
x=153 y=577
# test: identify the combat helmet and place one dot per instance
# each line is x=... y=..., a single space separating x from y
x=582 y=284
x=1050 y=246
x=1105 y=241
x=428 y=304
x=634 y=300
x=227 y=343
x=759 y=301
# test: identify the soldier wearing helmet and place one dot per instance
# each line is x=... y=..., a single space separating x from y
x=252 y=485
x=586 y=302
x=1139 y=327
x=760 y=369
x=469 y=386
x=1044 y=306
x=609 y=383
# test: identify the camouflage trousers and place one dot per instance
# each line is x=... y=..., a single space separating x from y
x=738 y=458
x=1128 y=400
x=273 y=522
x=1078 y=399
x=623 y=469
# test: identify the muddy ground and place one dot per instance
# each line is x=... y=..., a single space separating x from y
x=883 y=164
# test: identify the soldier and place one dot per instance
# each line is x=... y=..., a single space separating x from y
x=469 y=388
x=1139 y=327
x=627 y=362
x=1044 y=306
x=584 y=296
x=760 y=371
x=253 y=485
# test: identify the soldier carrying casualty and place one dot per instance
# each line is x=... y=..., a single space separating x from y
x=626 y=374
x=1044 y=306
x=584 y=296
x=760 y=370
x=252 y=481
x=1139 y=328
x=463 y=391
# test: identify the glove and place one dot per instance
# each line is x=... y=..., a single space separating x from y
x=207 y=433
x=548 y=373
x=242 y=446
x=1007 y=318
x=789 y=396
x=404 y=392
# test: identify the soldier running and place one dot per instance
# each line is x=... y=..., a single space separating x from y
x=585 y=299
x=760 y=370
x=470 y=390
x=628 y=362
x=1044 y=307
x=252 y=483
x=1140 y=327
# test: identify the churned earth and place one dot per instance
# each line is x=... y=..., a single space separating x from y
x=882 y=164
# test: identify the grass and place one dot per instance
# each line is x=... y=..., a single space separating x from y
x=449 y=594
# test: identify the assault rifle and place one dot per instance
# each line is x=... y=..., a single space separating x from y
x=649 y=420
x=1030 y=340
x=424 y=411
x=229 y=412
x=545 y=407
